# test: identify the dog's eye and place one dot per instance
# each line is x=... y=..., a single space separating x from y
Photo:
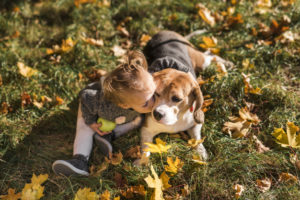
x=176 y=99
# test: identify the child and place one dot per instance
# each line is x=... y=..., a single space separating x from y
x=119 y=97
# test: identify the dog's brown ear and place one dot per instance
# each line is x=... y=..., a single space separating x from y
x=198 y=113
x=137 y=58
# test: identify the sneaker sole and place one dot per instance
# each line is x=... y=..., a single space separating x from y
x=104 y=145
x=65 y=168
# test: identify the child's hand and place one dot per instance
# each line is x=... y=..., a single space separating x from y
x=96 y=127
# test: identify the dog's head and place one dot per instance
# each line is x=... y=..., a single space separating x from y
x=175 y=94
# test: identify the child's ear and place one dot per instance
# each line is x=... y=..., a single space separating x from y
x=137 y=58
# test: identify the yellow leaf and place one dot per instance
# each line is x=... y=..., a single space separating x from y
x=105 y=195
x=123 y=30
x=264 y=184
x=144 y=39
x=193 y=143
x=239 y=189
x=206 y=16
x=165 y=180
x=246 y=115
x=117 y=198
x=11 y=195
x=34 y=190
x=290 y=139
x=159 y=147
x=39 y=179
x=155 y=183
x=287 y=178
x=173 y=166
x=86 y=194
x=264 y=3
x=79 y=2
x=67 y=45
x=25 y=70
x=248 y=86
x=197 y=159
x=237 y=129
x=59 y=101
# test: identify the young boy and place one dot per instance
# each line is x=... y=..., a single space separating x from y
x=119 y=97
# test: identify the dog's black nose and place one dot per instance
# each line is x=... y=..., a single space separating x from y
x=157 y=115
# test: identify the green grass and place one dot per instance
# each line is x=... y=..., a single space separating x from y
x=32 y=138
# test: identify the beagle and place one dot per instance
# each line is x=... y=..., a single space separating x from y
x=174 y=63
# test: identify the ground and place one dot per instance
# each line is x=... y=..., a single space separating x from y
x=261 y=40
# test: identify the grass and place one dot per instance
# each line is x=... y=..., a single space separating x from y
x=32 y=138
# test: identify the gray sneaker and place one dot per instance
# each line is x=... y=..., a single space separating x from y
x=78 y=165
x=104 y=143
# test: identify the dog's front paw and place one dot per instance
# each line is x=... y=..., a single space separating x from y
x=202 y=152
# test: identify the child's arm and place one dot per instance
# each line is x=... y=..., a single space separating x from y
x=124 y=128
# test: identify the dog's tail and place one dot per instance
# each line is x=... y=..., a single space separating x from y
x=192 y=34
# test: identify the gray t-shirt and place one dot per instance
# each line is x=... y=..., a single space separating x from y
x=93 y=106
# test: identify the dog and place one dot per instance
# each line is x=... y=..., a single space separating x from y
x=174 y=63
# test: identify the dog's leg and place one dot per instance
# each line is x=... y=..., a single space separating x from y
x=195 y=133
x=146 y=137
x=215 y=58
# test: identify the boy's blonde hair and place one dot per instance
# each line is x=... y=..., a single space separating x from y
x=126 y=78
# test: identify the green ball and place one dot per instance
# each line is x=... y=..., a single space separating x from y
x=107 y=126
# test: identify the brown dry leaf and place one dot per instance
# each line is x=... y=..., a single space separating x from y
x=260 y=147
x=173 y=17
x=264 y=184
x=144 y=39
x=139 y=189
x=59 y=101
x=134 y=152
x=237 y=129
x=206 y=103
x=205 y=14
x=123 y=30
x=16 y=9
x=25 y=99
x=248 y=87
x=93 y=41
x=287 y=178
x=239 y=189
x=115 y=158
x=105 y=195
x=96 y=171
x=276 y=29
x=25 y=70
x=250 y=117
x=119 y=180
x=250 y=46
x=210 y=43
x=4 y=108
x=11 y=195
x=66 y=46
x=95 y=74
x=232 y=21
x=118 y=51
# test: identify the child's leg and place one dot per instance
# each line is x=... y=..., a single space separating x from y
x=83 y=142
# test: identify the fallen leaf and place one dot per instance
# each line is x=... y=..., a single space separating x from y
x=86 y=194
x=25 y=99
x=264 y=184
x=11 y=195
x=25 y=70
x=260 y=147
x=59 y=101
x=97 y=170
x=289 y=139
x=264 y=3
x=193 y=142
x=294 y=159
x=247 y=65
x=95 y=74
x=118 y=51
x=206 y=15
x=173 y=166
x=104 y=3
x=286 y=3
x=239 y=189
x=159 y=147
x=198 y=160
x=129 y=192
x=5 y=108
x=134 y=152
x=67 y=45
x=287 y=178
x=248 y=87
x=79 y=2
x=34 y=190
x=123 y=30
x=119 y=180
x=245 y=114
x=115 y=158
x=165 y=180
x=155 y=183
x=221 y=69
x=232 y=21
x=93 y=41
x=144 y=39
x=105 y=195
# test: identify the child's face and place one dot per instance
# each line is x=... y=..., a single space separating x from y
x=143 y=102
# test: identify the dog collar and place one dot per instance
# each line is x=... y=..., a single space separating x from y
x=191 y=109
